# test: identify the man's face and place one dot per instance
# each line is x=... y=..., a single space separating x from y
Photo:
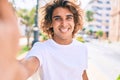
x=62 y=23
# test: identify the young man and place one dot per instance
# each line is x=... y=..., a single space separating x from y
x=59 y=58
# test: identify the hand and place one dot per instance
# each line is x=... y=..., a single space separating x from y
x=9 y=33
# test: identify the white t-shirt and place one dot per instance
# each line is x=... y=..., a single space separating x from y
x=60 y=62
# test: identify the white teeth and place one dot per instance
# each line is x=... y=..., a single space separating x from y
x=63 y=30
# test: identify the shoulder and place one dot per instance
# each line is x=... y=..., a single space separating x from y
x=37 y=44
x=41 y=43
x=40 y=46
x=78 y=43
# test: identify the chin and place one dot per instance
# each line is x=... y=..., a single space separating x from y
x=66 y=38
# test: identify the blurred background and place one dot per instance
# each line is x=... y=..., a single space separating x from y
x=101 y=33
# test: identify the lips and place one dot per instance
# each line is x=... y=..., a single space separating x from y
x=64 y=30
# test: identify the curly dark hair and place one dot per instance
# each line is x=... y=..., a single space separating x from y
x=48 y=9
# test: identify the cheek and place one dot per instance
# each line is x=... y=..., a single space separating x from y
x=72 y=25
x=55 y=25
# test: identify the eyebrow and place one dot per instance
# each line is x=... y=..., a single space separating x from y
x=55 y=16
x=69 y=15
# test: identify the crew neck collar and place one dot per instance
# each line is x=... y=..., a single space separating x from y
x=61 y=45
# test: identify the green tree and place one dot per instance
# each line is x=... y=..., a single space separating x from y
x=118 y=78
x=99 y=33
x=27 y=17
x=89 y=16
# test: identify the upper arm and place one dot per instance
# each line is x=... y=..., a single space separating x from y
x=84 y=75
x=31 y=65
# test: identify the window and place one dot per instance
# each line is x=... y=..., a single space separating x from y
x=100 y=8
x=108 y=8
x=99 y=1
x=107 y=15
x=108 y=2
x=98 y=14
x=98 y=26
x=107 y=27
x=98 y=20
x=107 y=21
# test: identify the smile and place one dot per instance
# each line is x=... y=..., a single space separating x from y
x=64 y=30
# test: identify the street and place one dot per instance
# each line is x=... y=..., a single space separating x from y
x=105 y=60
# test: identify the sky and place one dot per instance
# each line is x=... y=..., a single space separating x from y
x=84 y=3
x=28 y=4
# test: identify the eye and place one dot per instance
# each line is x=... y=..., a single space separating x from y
x=69 y=17
x=57 y=18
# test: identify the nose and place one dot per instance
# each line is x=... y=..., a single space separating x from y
x=64 y=22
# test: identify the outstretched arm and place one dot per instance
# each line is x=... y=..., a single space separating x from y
x=9 y=34
x=85 y=77
x=10 y=67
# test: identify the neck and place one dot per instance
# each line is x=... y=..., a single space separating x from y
x=62 y=41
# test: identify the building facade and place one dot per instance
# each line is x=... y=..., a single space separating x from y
x=114 y=34
x=101 y=10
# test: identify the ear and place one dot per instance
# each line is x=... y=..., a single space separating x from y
x=51 y=26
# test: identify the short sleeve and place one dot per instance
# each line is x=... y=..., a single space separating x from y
x=37 y=51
